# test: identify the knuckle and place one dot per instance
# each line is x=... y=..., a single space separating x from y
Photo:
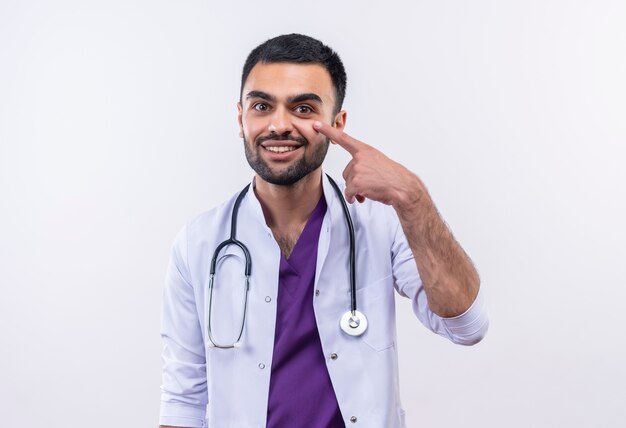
x=358 y=168
x=360 y=156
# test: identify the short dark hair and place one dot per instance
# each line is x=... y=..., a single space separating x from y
x=300 y=49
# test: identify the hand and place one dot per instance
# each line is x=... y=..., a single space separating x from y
x=370 y=174
x=449 y=277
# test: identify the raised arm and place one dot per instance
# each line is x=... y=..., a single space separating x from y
x=449 y=277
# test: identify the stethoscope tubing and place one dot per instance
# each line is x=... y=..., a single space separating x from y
x=232 y=240
x=353 y=323
x=350 y=225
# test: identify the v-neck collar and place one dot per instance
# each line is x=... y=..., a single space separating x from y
x=310 y=234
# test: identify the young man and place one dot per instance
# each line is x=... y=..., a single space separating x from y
x=293 y=364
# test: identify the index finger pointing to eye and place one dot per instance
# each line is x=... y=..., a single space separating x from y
x=339 y=137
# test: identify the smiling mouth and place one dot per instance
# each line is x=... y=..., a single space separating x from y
x=280 y=149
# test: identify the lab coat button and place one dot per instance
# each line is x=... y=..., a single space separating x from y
x=353 y=419
x=317 y=292
x=268 y=299
x=333 y=356
x=261 y=366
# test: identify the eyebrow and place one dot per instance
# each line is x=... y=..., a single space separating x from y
x=294 y=99
x=260 y=94
x=305 y=97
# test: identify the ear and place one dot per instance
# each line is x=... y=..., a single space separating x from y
x=240 y=119
x=340 y=120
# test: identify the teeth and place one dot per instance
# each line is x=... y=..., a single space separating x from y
x=281 y=149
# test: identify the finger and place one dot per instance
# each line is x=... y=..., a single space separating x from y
x=348 y=176
x=352 y=192
x=349 y=196
x=347 y=171
x=352 y=145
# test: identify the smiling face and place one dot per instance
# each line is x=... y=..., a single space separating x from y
x=279 y=103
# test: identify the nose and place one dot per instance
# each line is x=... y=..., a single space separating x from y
x=280 y=122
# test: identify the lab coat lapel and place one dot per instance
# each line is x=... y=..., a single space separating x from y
x=332 y=269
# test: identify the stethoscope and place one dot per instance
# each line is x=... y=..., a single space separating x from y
x=353 y=322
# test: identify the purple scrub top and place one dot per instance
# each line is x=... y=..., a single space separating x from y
x=301 y=393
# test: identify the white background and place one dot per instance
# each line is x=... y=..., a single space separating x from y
x=118 y=124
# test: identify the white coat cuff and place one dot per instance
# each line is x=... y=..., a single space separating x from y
x=182 y=415
x=469 y=327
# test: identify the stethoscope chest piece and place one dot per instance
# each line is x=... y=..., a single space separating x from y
x=353 y=323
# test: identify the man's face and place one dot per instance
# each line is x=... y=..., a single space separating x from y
x=279 y=103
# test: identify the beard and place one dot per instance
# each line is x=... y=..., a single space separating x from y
x=294 y=172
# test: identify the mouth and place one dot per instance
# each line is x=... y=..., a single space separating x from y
x=280 y=149
x=280 y=146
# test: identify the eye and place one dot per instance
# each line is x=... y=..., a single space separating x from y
x=261 y=107
x=303 y=109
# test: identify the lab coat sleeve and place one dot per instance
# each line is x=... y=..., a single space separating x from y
x=184 y=391
x=465 y=329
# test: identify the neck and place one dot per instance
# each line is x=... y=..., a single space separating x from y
x=288 y=207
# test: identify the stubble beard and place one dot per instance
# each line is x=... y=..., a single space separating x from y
x=294 y=172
